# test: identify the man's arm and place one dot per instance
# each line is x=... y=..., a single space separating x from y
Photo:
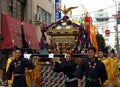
x=8 y=75
x=79 y=73
x=79 y=83
x=103 y=74
x=60 y=66
x=28 y=64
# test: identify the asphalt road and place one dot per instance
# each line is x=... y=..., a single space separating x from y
x=83 y=86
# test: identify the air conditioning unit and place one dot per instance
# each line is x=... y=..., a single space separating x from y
x=37 y=17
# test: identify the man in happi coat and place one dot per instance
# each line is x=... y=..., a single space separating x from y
x=17 y=67
x=10 y=59
x=68 y=68
x=93 y=69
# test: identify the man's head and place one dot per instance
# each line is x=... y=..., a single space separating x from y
x=68 y=57
x=100 y=54
x=91 y=52
x=112 y=55
x=18 y=53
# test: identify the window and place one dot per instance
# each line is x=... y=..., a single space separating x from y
x=100 y=15
x=45 y=17
x=16 y=8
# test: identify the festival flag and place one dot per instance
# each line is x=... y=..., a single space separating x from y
x=81 y=20
x=87 y=21
x=93 y=37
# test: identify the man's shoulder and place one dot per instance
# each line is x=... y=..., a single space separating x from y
x=84 y=61
x=24 y=60
x=12 y=61
x=100 y=62
x=73 y=63
x=9 y=59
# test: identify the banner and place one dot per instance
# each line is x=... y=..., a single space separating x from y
x=93 y=37
x=87 y=21
x=57 y=13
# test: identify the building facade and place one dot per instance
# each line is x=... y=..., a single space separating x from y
x=34 y=12
x=20 y=9
x=102 y=23
x=102 y=18
x=43 y=13
x=17 y=25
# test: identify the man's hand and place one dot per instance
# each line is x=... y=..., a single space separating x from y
x=102 y=85
x=59 y=62
x=6 y=81
x=79 y=86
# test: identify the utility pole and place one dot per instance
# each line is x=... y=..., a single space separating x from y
x=117 y=34
x=116 y=28
x=117 y=38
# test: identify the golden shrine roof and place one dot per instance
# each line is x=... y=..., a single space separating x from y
x=62 y=29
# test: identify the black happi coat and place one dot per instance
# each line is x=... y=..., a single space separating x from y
x=18 y=67
x=94 y=72
x=68 y=68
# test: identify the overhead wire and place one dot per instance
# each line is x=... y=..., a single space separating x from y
x=102 y=9
x=98 y=10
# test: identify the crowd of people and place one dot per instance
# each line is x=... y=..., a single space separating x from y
x=100 y=71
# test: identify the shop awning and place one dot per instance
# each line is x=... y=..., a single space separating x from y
x=30 y=35
x=10 y=32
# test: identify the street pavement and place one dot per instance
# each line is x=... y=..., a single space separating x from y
x=83 y=86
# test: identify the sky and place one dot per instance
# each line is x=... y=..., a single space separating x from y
x=93 y=6
x=90 y=5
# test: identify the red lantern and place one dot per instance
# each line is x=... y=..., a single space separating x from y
x=107 y=32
